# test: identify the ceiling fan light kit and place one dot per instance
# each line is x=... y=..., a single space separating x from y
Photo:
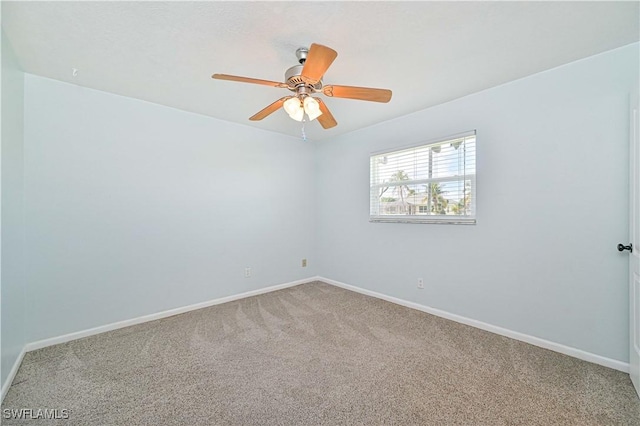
x=305 y=80
x=296 y=108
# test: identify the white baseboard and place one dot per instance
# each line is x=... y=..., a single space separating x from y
x=536 y=341
x=164 y=314
x=12 y=374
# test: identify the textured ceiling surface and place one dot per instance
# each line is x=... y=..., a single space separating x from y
x=426 y=52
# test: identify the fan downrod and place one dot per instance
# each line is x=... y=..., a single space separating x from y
x=301 y=54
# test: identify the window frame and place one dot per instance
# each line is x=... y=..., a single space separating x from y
x=429 y=219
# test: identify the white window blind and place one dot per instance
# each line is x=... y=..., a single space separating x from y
x=430 y=183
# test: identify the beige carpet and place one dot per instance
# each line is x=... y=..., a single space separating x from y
x=315 y=354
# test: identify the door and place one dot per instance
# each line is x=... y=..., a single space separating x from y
x=634 y=244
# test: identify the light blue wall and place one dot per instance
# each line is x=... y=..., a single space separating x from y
x=12 y=288
x=552 y=177
x=135 y=208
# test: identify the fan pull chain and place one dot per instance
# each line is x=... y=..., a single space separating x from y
x=304 y=134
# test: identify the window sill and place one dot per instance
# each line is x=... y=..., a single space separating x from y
x=419 y=219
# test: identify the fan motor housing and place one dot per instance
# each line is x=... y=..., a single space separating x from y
x=294 y=80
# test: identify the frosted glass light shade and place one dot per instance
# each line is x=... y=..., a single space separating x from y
x=312 y=108
x=293 y=107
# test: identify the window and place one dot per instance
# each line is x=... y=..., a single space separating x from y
x=430 y=183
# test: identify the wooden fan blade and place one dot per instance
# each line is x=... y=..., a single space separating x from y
x=248 y=80
x=269 y=110
x=318 y=61
x=361 y=93
x=326 y=119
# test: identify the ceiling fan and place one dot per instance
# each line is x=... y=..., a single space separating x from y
x=305 y=80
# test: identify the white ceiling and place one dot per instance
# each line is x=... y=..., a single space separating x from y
x=426 y=52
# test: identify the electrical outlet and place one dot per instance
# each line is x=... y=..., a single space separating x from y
x=304 y=263
x=420 y=283
x=247 y=272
